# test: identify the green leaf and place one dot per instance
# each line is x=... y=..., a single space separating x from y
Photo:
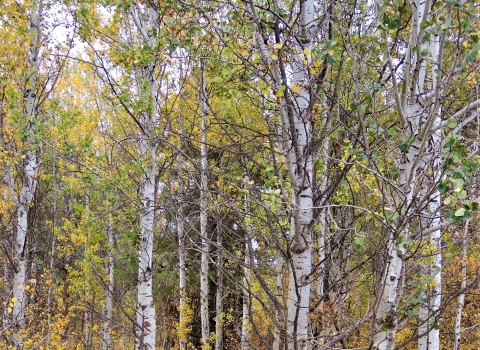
x=392 y=132
x=423 y=26
x=217 y=79
x=451 y=123
x=460 y=212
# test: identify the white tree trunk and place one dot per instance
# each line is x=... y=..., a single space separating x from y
x=107 y=313
x=145 y=329
x=204 y=289
x=385 y=320
x=296 y=135
x=299 y=160
x=182 y=276
x=279 y=317
x=29 y=180
x=431 y=304
x=219 y=296
x=461 y=298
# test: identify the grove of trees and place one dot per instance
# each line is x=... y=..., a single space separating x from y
x=240 y=174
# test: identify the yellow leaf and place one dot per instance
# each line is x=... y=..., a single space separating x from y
x=20 y=286
x=278 y=46
x=295 y=89
x=330 y=52
x=307 y=52
x=243 y=52
x=274 y=56
x=9 y=310
x=14 y=300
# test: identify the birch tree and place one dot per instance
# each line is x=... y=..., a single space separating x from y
x=29 y=175
x=418 y=106
x=146 y=22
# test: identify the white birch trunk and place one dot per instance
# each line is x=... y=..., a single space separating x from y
x=431 y=304
x=385 y=320
x=29 y=183
x=279 y=317
x=145 y=329
x=299 y=160
x=107 y=313
x=219 y=296
x=182 y=276
x=296 y=135
x=434 y=204
x=204 y=288
x=461 y=298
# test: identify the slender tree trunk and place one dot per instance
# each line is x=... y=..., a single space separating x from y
x=220 y=290
x=182 y=279
x=29 y=181
x=51 y=272
x=107 y=313
x=296 y=137
x=204 y=289
x=279 y=317
x=246 y=302
x=145 y=328
x=420 y=122
x=431 y=340
x=461 y=298
x=88 y=326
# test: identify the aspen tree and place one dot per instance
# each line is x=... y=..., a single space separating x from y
x=145 y=328
x=205 y=242
x=30 y=175
x=418 y=107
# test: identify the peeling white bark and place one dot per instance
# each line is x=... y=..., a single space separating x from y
x=299 y=159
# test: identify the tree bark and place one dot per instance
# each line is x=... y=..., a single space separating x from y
x=461 y=297
x=300 y=164
x=145 y=328
x=219 y=296
x=107 y=314
x=246 y=302
x=204 y=288
x=29 y=180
